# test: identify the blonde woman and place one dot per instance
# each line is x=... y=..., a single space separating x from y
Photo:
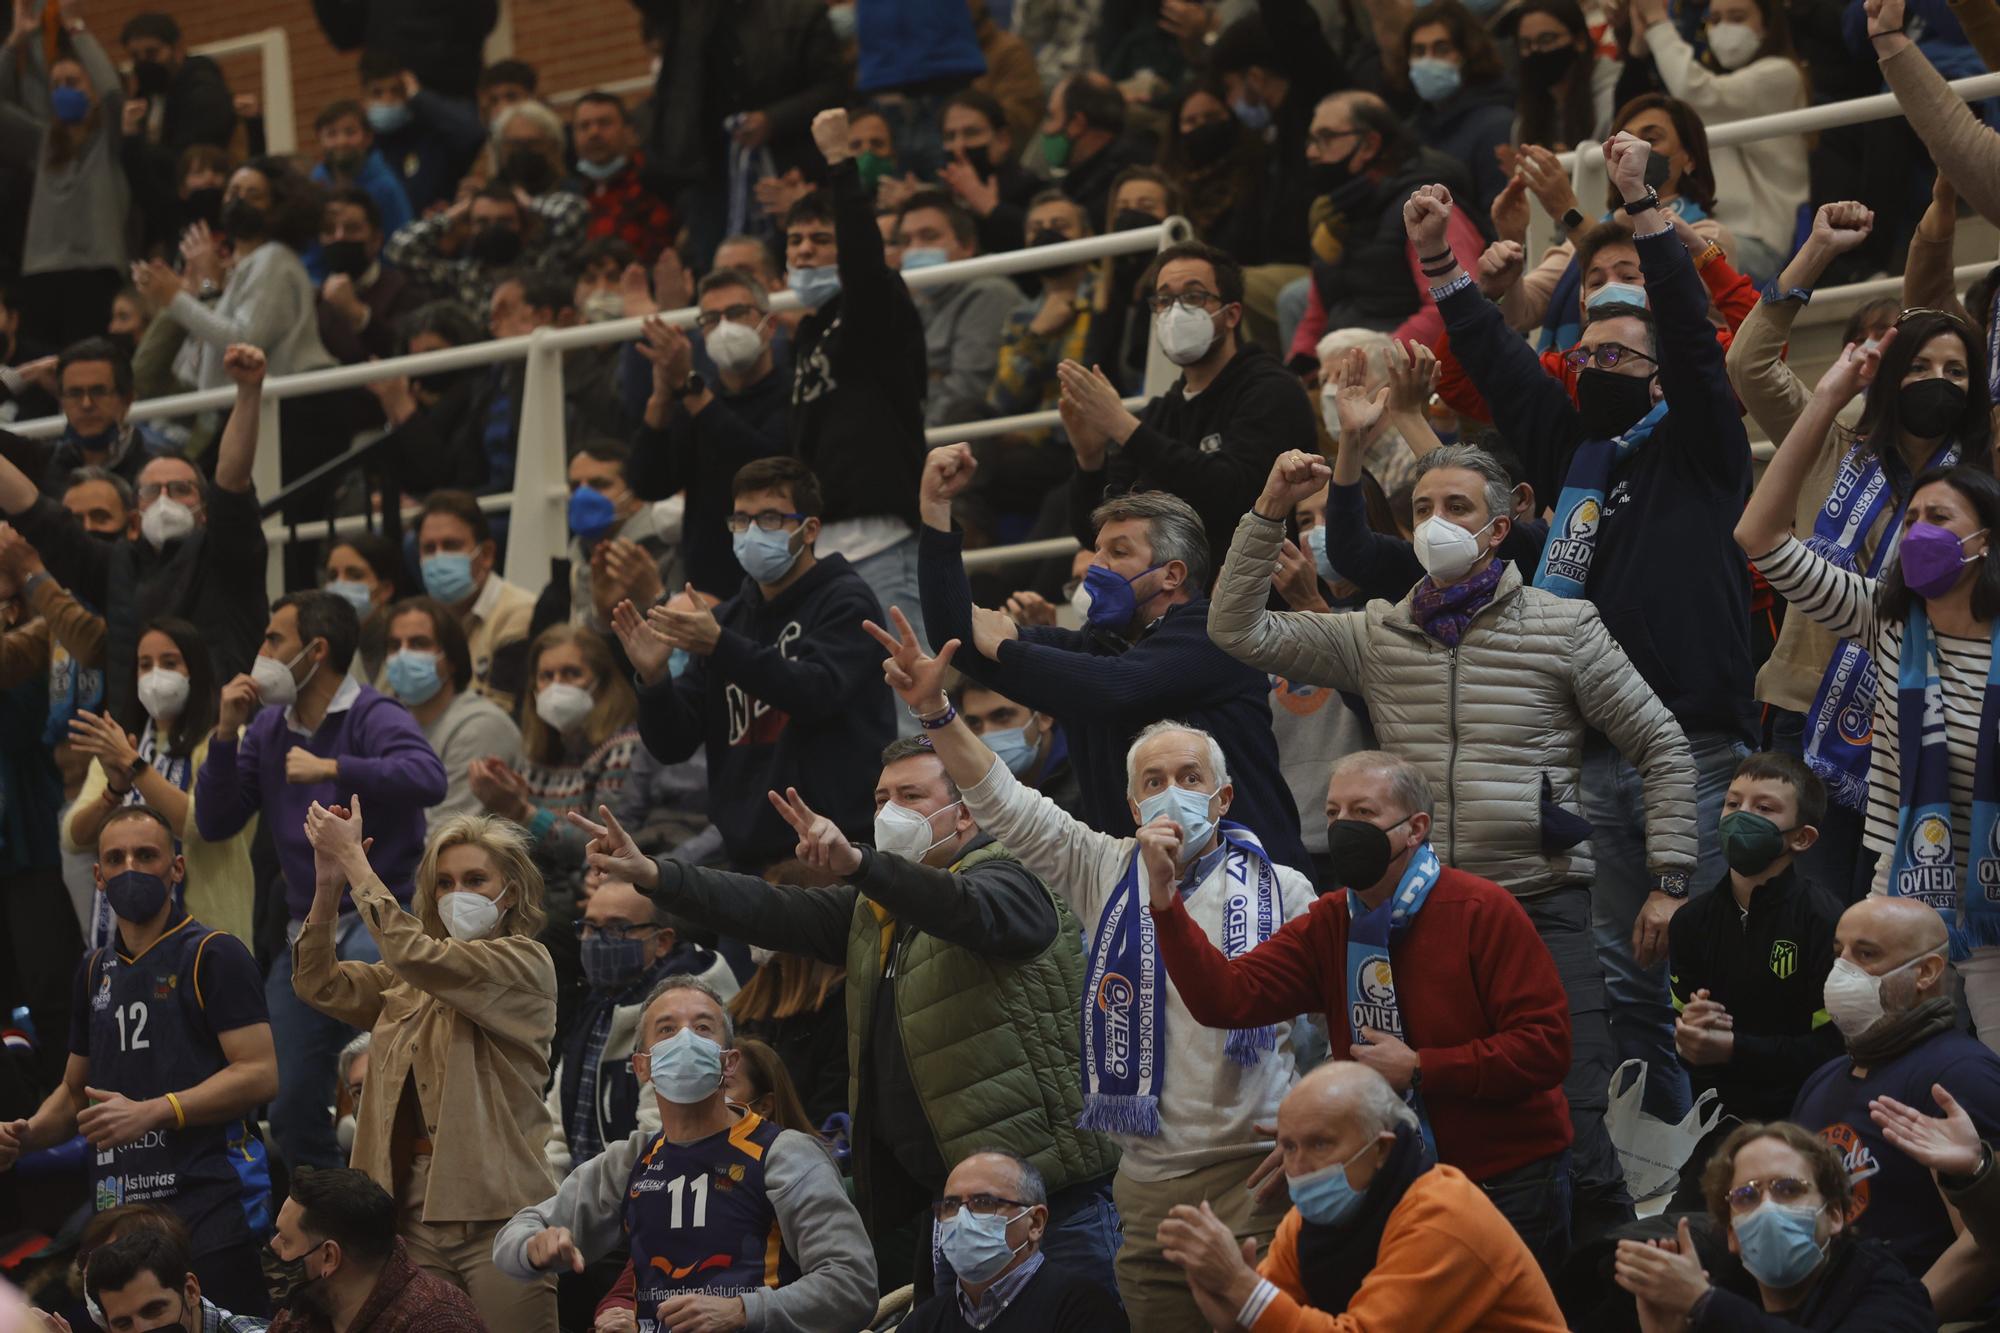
x=577 y=741
x=462 y=1007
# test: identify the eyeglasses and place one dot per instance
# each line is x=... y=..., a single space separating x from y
x=624 y=930
x=90 y=393
x=1606 y=355
x=1783 y=1190
x=178 y=490
x=947 y=1208
x=1192 y=299
x=769 y=521
x=736 y=314
x=1328 y=138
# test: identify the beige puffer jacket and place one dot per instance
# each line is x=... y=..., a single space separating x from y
x=1489 y=721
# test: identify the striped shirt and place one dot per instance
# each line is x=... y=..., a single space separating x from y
x=1842 y=602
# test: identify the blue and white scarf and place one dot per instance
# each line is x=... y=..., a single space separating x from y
x=1371 y=980
x=1842 y=719
x=1565 y=567
x=1925 y=865
x=1125 y=1012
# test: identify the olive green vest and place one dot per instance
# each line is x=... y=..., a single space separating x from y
x=992 y=1046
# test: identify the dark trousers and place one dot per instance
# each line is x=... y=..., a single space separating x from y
x=1535 y=1200
x=1562 y=918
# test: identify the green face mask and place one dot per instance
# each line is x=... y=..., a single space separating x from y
x=1055 y=150
x=873 y=167
x=1751 y=843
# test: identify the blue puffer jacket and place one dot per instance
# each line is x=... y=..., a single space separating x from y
x=905 y=42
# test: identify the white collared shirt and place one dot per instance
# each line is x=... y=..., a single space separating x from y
x=343 y=699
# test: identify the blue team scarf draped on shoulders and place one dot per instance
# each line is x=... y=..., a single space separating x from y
x=1371 y=979
x=1562 y=324
x=1125 y=1013
x=1925 y=865
x=1841 y=722
x=1566 y=555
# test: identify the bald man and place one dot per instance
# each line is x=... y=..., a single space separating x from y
x=1372 y=1235
x=1887 y=995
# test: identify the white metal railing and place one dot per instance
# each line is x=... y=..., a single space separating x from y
x=274 y=51
x=539 y=530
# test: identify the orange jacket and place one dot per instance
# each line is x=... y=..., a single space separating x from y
x=1448 y=1261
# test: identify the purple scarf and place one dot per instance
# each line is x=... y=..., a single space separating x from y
x=1443 y=613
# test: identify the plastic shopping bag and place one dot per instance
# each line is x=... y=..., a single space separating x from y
x=1652 y=1151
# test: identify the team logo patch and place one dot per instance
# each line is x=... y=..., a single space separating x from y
x=1930 y=841
x=1114 y=997
x=1582 y=523
x=676 y=1273
x=164 y=986
x=1784 y=958
x=1858 y=1158
x=1211 y=444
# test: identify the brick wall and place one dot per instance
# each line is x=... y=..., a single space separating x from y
x=573 y=43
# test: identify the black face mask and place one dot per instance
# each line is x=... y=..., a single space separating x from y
x=115 y=534
x=127 y=343
x=1046 y=236
x=439 y=382
x=1545 y=69
x=150 y=78
x=980 y=159
x=241 y=218
x=1358 y=852
x=349 y=257
x=527 y=168
x=1131 y=219
x=290 y=1286
x=1930 y=408
x=345 y=161
x=1658 y=169
x=204 y=205
x=1609 y=402
x=1209 y=142
x=494 y=245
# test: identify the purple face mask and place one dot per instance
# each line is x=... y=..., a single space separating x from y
x=1932 y=558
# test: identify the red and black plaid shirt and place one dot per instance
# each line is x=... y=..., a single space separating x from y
x=626 y=209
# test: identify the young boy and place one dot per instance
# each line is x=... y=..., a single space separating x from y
x=1748 y=960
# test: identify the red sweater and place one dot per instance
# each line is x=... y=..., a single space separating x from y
x=1481 y=1002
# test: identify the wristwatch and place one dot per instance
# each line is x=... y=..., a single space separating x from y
x=1651 y=199
x=1571 y=220
x=690 y=386
x=1673 y=883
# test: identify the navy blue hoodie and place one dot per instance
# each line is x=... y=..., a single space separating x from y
x=792 y=696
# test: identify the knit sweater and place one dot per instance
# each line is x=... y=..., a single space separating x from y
x=269 y=302
x=384 y=759
x=1481 y=1003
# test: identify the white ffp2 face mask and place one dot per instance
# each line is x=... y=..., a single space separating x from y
x=733 y=347
x=1445 y=550
x=1732 y=44
x=905 y=832
x=166 y=520
x=1185 y=335
x=467 y=915
x=1854 y=995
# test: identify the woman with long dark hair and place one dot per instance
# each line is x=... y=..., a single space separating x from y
x=1567 y=89
x=1466 y=104
x=1925 y=608
x=178 y=689
x=1216 y=164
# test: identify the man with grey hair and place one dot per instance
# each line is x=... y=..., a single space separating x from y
x=1373 y=1235
x=695 y=433
x=732 y=1222
x=990 y=1223
x=1182 y=1103
x=1490 y=687
x=1432 y=977
x=1144 y=653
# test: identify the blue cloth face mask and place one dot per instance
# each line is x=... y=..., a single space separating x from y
x=1618 y=293
x=1316 y=539
x=611 y=963
x=591 y=512
x=1113 y=602
x=814 y=286
x=1014 y=748
x=355 y=594
x=924 y=256
x=448 y=576
x=1434 y=80
x=1325 y=1197
x=388 y=117
x=1189 y=809
x=976 y=1243
x=70 y=105
x=765 y=556
x=1780 y=1243
x=413 y=676
x=686 y=1068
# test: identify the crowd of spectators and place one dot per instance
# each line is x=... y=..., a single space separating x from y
x=774 y=914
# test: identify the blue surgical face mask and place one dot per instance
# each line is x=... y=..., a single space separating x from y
x=1617 y=293
x=355 y=594
x=1325 y=1197
x=1316 y=540
x=1113 y=603
x=765 y=556
x=976 y=1243
x=601 y=171
x=591 y=512
x=814 y=286
x=413 y=676
x=1434 y=80
x=1185 y=807
x=388 y=117
x=1014 y=748
x=1779 y=1243
x=1254 y=115
x=924 y=256
x=686 y=1068
x=448 y=576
